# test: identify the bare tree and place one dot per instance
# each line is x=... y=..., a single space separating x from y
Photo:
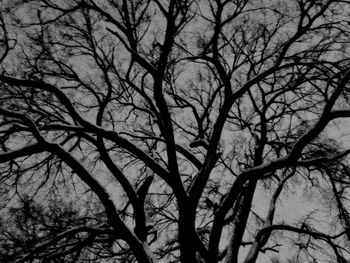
x=174 y=131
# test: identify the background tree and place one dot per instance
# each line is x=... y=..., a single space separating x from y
x=174 y=131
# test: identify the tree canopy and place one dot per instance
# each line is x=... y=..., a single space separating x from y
x=174 y=131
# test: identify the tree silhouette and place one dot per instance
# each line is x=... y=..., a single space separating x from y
x=174 y=131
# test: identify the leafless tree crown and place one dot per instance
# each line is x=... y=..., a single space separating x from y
x=174 y=131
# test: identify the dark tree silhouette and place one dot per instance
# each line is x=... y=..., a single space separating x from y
x=174 y=131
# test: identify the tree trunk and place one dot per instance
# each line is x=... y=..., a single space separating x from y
x=240 y=223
